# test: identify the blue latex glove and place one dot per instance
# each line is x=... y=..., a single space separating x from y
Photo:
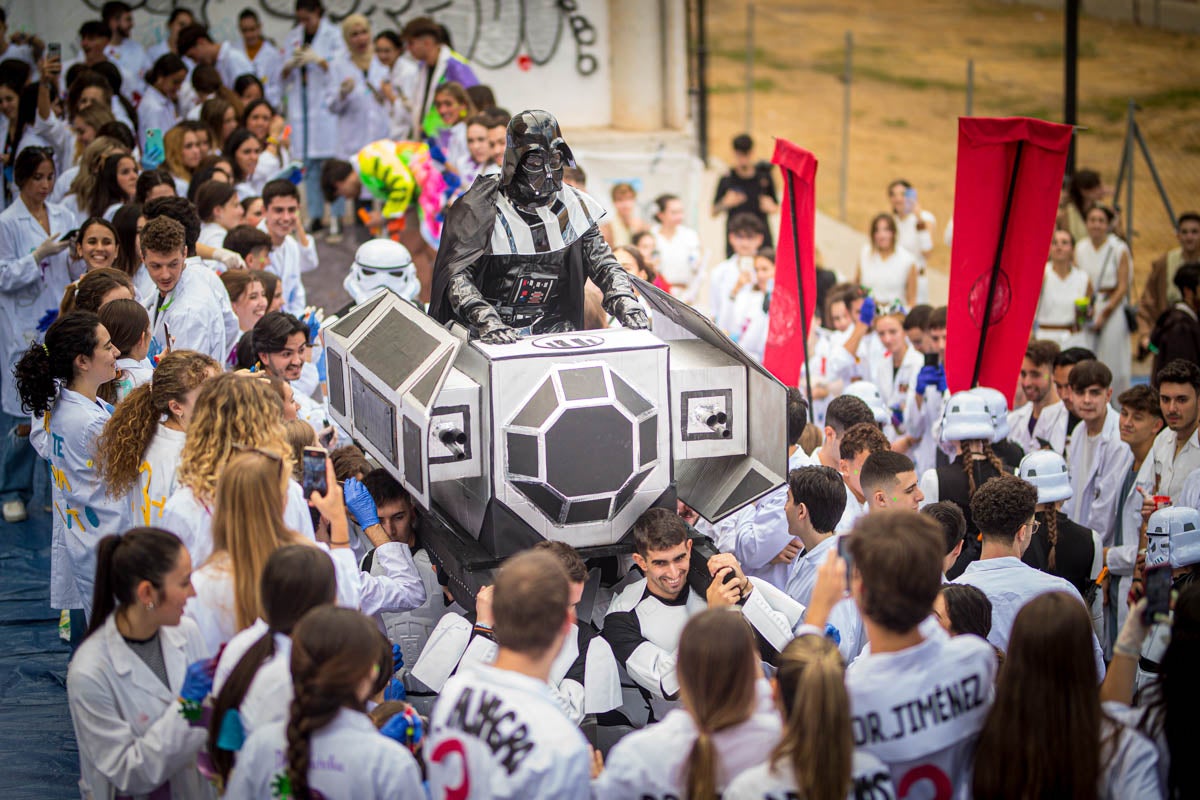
x=897 y=415
x=931 y=376
x=395 y=690
x=435 y=151
x=197 y=684
x=314 y=325
x=866 y=314
x=322 y=365
x=360 y=503
x=397 y=658
x=405 y=728
x=47 y=320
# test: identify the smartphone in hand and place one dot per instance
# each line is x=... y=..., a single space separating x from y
x=1158 y=594
x=313 y=469
x=54 y=50
x=843 y=551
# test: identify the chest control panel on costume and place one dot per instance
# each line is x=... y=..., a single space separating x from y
x=532 y=291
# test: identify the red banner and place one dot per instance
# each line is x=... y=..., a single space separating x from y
x=988 y=149
x=784 y=354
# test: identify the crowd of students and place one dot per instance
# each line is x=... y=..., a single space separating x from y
x=943 y=588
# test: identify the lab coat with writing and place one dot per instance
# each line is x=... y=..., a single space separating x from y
x=83 y=511
x=498 y=734
x=28 y=289
x=1094 y=503
x=132 y=738
x=651 y=762
x=347 y=758
x=314 y=127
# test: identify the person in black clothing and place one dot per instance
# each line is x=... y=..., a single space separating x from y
x=748 y=187
x=1059 y=546
x=1176 y=334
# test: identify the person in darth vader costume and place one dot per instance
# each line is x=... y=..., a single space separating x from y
x=517 y=248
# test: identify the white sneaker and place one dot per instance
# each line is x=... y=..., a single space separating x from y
x=14 y=511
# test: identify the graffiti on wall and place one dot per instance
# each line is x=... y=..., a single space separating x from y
x=491 y=33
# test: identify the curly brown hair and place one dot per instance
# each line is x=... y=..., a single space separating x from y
x=1002 y=506
x=134 y=421
x=230 y=409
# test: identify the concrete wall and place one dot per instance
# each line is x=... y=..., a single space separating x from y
x=1181 y=16
x=534 y=53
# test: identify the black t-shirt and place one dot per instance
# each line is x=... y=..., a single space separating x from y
x=760 y=184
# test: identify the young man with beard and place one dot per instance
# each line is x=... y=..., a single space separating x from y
x=1042 y=416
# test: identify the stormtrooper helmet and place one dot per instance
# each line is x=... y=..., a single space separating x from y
x=1173 y=534
x=966 y=418
x=869 y=394
x=382 y=263
x=1047 y=472
x=997 y=406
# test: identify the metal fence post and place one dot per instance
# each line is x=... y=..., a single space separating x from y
x=1129 y=187
x=970 y=87
x=749 y=127
x=847 y=78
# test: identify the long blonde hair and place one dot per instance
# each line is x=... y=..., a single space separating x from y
x=716 y=648
x=817 y=741
x=230 y=409
x=248 y=524
x=173 y=151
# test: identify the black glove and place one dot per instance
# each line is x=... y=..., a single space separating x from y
x=490 y=327
x=629 y=313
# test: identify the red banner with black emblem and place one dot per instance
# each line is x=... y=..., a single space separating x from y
x=1006 y=195
x=795 y=295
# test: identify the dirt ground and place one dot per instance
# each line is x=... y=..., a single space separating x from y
x=909 y=87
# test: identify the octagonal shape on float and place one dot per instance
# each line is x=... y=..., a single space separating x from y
x=581 y=444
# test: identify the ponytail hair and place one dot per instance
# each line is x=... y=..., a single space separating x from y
x=296 y=579
x=716 y=648
x=87 y=293
x=46 y=365
x=333 y=650
x=123 y=562
x=134 y=421
x=817 y=741
x=126 y=322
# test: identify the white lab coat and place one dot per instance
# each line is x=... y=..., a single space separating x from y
x=399 y=588
x=758 y=532
x=651 y=762
x=361 y=114
x=28 y=289
x=314 y=126
x=1051 y=426
x=212 y=234
x=404 y=76
x=869 y=778
x=130 y=58
x=232 y=64
x=83 y=511
x=133 y=373
x=1171 y=468
x=156 y=477
x=348 y=758
x=894 y=386
x=132 y=738
x=288 y=261
x=192 y=313
x=191 y=520
x=267 y=64
x=269 y=694
x=1009 y=584
x=1094 y=502
x=156 y=111
x=460 y=754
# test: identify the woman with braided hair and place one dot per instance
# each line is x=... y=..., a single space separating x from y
x=968 y=427
x=695 y=751
x=1060 y=546
x=95 y=288
x=328 y=744
x=139 y=451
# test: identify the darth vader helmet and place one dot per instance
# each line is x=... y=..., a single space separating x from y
x=534 y=157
